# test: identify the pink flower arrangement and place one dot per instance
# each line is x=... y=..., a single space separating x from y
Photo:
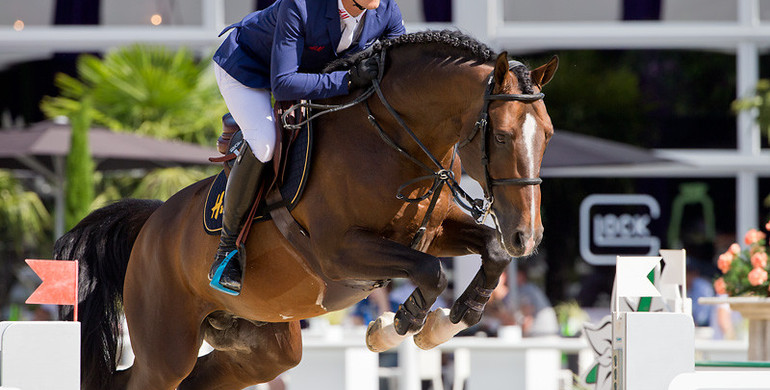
x=757 y=276
x=745 y=270
x=759 y=260
x=724 y=262
x=753 y=236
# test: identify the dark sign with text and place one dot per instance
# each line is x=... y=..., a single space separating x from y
x=613 y=225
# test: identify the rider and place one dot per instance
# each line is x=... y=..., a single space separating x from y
x=282 y=49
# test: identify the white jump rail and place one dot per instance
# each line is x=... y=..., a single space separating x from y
x=655 y=350
x=346 y=347
x=40 y=355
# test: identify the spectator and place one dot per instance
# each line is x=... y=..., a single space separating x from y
x=698 y=286
x=530 y=309
x=368 y=309
x=537 y=315
x=499 y=310
x=723 y=322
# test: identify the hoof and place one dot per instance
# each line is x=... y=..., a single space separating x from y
x=381 y=334
x=438 y=329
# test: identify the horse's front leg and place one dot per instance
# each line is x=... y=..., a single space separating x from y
x=461 y=235
x=366 y=255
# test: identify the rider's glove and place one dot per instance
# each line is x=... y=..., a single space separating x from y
x=362 y=73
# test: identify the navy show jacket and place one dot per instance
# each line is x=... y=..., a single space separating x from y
x=284 y=46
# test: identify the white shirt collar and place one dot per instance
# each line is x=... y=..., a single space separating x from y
x=344 y=12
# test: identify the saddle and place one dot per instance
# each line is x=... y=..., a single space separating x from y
x=283 y=185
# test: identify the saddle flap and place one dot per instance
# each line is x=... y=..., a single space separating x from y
x=291 y=165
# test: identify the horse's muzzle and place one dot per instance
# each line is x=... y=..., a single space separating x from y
x=522 y=243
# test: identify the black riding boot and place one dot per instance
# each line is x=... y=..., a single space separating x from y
x=227 y=271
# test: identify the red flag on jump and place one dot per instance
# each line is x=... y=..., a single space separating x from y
x=60 y=283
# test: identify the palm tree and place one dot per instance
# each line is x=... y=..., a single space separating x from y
x=24 y=227
x=79 y=190
x=148 y=90
x=158 y=184
x=145 y=89
x=24 y=219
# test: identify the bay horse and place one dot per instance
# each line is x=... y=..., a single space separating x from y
x=441 y=94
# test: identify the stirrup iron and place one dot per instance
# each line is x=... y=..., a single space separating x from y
x=216 y=280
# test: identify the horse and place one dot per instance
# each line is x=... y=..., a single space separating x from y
x=442 y=98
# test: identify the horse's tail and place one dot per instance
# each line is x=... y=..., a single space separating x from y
x=102 y=243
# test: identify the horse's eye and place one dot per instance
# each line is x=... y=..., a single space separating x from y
x=500 y=138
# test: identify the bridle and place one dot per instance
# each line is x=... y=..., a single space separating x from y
x=482 y=127
x=478 y=208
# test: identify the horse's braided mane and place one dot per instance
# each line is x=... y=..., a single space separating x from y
x=452 y=42
x=451 y=39
x=522 y=74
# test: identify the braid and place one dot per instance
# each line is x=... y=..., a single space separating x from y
x=452 y=39
x=522 y=74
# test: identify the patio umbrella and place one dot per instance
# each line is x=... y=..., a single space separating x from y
x=577 y=155
x=43 y=149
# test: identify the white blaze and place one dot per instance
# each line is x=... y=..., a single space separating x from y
x=529 y=131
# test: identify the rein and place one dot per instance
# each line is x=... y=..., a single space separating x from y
x=323 y=109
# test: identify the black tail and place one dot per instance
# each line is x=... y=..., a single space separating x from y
x=102 y=243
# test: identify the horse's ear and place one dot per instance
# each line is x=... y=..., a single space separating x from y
x=542 y=75
x=503 y=77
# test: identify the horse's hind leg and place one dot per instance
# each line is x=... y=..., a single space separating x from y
x=163 y=320
x=245 y=354
x=461 y=236
x=165 y=343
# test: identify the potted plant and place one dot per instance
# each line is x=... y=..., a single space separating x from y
x=744 y=270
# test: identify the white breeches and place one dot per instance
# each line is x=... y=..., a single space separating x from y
x=252 y=111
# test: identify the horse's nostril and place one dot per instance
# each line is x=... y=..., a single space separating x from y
x=519 y=240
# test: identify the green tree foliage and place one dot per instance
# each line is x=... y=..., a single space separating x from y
x=595 y=93
x=162 y=183
x=648 y=98
x=24 y=230
x=157 y=184
x=149 y=90
x=79 y=190
x=759 y=100
x=24 y=220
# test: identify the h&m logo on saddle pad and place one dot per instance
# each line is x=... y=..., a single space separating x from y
x=215 y=200
x=291 y=187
